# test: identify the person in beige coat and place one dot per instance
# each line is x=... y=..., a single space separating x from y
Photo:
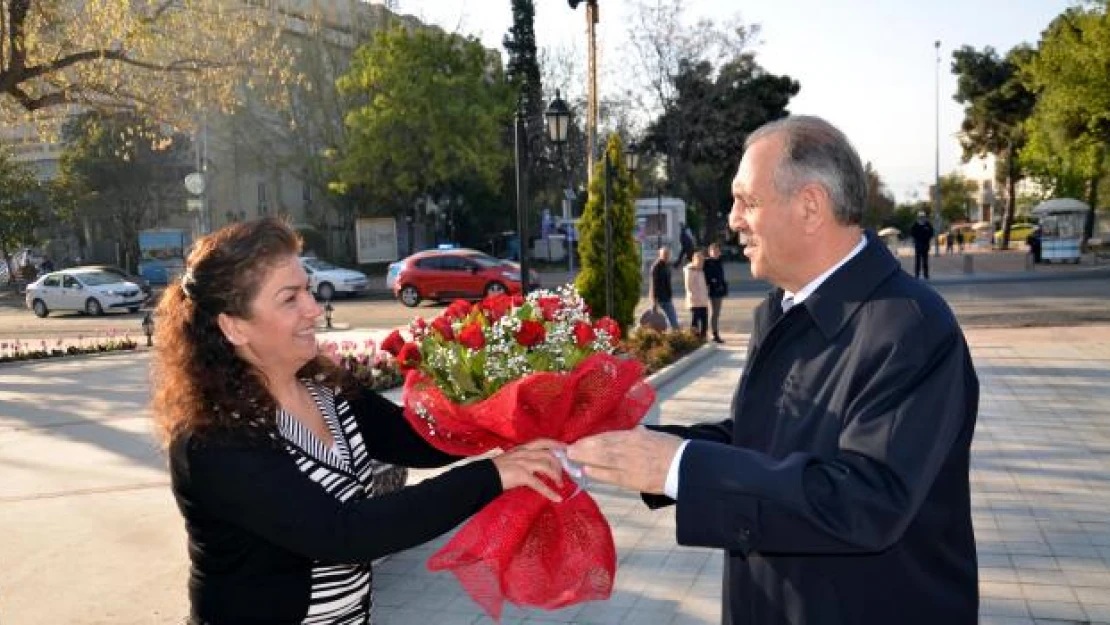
x=697 y=293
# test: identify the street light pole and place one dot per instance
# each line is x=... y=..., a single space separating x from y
x=558 y=125
x=521 y=201
x=936 y=181
x=591 y=85
x=659 y=216
x=608 y=235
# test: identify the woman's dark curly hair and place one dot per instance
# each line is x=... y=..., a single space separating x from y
x=200 y=384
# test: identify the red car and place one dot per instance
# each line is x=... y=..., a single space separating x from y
x=456 y=274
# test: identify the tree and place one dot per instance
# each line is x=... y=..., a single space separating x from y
x=996 y=105
x=124 y=169
x=880 y=203
x=957 y=196
x=663 y=48
x=523 y=74
x=712 y=116
x=1070 y=127
x=162 y=57
x=435 y=114
x=19 y=213
x=626 y=252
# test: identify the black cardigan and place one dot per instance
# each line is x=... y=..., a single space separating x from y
x=256 y=523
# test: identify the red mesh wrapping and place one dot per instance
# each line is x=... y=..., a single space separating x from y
x=523 y=548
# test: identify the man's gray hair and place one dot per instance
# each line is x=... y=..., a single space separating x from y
x=816 y=151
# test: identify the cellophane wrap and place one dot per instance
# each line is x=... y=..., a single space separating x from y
x=522 y=547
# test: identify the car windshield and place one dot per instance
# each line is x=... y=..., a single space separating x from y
x=316 y=264
x=485 y=262
x=98 y=278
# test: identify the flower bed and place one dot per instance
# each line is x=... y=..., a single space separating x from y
x=16 y=350
x=371 y=366
x=658 y=349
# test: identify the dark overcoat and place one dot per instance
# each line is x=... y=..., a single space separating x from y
x=839 y=487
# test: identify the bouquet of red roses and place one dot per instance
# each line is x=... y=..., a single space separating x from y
x=503 y=372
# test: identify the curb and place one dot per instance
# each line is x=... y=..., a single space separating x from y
x=667 y=374
x=72 y=357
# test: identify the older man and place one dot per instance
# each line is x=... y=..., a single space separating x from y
x=839 y=486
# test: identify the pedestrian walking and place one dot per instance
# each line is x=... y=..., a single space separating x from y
x=661 y=291
x=922 y=233
x=697 y=294
x=686 y=243
x=718 y=289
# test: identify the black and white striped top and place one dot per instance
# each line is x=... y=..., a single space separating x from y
x=340 y=593
x=287 y=533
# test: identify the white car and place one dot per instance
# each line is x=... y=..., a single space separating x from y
x=325 y=280
x=91 y=291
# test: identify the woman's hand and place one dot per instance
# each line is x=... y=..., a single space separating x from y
x=524 y=464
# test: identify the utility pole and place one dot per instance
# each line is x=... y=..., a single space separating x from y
x=591 y=85
x=936 y=182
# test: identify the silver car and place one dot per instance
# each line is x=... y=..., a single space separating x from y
x=91 y=291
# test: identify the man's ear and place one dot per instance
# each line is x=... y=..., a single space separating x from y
x=816 y=207
x=231 y=327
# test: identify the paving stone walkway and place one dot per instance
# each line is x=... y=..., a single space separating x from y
x=1041 y=498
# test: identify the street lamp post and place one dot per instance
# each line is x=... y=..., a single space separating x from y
x=936 y=181
x=591 y=84
x=558 y=123
x=521 y=201
x=659 y=216
x=631 y=163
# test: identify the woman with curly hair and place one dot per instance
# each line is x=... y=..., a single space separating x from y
x=273 y=450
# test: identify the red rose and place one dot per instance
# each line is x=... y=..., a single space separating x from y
x=409 y=358
x=583 y=334
x=442 y=325
x=393 y=343
x=495 y=307
x=472 y=337
x=518 y=300
x=550 y=305
x=419 y=328
x=531 y=333
x=458 y=309
x=610 y=327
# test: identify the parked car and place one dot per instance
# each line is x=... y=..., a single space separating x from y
x=91 y=291
x=141 y=282
x=456 y=274
x=1018 y=233
x=325 y=280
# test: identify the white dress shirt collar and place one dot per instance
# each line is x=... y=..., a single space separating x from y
x=793 y=299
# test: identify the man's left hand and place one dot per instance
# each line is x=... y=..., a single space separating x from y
x=635 y=459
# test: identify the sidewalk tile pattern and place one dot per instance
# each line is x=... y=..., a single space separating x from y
x=1041 y=504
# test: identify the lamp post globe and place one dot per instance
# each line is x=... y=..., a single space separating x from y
x=632 y=158
x=558 y=120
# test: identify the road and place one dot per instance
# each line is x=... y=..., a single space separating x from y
x=1064 y=300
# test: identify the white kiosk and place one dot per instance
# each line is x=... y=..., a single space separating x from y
x=658 y=219
x=1061 y=221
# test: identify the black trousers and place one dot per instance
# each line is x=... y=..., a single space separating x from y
x=715 y=316
x=699 y=319
x=921 y=261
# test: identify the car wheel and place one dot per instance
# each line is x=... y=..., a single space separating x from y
x=495 y=288
x=40 y=308
x=325 y=291
x=410 y=296
x=93 y=307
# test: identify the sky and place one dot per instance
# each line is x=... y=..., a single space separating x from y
x=868 y=66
